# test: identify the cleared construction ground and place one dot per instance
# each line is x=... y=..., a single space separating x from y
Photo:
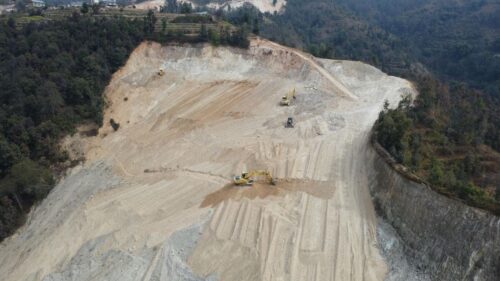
x=154 y=199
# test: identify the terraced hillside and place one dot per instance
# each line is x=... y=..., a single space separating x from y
x=174 y=23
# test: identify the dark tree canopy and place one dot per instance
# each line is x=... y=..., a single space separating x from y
x=52 y=76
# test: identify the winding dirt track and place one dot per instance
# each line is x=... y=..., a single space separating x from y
x=182 y=136
x=340 y=89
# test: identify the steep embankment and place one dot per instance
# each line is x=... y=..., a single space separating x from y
x=154 y=201
x=444 y=238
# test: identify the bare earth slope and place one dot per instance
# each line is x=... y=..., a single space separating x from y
x=152 y=201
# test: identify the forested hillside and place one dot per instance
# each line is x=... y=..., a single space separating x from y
x=52 y=77
x=450 y=138
x=456 y=39
x=326 y=30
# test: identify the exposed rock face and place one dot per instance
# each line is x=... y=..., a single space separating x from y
x=444 y=238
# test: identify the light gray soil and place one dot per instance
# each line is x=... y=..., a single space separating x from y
x=136 y=209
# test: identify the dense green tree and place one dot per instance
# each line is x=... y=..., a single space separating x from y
x=85 y=8
x=52 y=76
x=255 y=26
x=213 y=37
x=203 y=32
x=436 y=172
x=29 y=179
x=186 y=8
x=9 y=154
x=163 y=25
x=149 y=23
x=96 y=8
x=171 y=6
x=393 y=127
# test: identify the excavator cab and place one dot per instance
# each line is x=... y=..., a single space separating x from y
x=239 y=180
x=287 y=100
x=244 y=179
x=247 y=178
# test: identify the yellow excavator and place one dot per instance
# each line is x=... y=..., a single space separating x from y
x=287 y=100
x=248 y=178
x=161 y=72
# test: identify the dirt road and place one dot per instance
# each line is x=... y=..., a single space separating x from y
x=152 y=201
x=341 y=89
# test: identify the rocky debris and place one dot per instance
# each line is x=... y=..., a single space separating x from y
x=162 y=263
x=393 y=250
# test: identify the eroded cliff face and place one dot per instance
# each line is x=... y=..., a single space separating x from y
x=443 y=238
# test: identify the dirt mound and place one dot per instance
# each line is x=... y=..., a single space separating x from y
x=214 y=113
x=263 y=190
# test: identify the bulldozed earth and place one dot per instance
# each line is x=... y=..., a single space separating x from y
x=154 y=199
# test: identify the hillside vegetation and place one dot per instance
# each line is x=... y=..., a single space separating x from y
x=448 y=140
x=53 y=70
x=326 y=30
x=52 y=76
x=457 y=40
x=451 y=136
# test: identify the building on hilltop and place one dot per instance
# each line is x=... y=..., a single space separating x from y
x=38 y=3
x=104 y=2
x=76 y=4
